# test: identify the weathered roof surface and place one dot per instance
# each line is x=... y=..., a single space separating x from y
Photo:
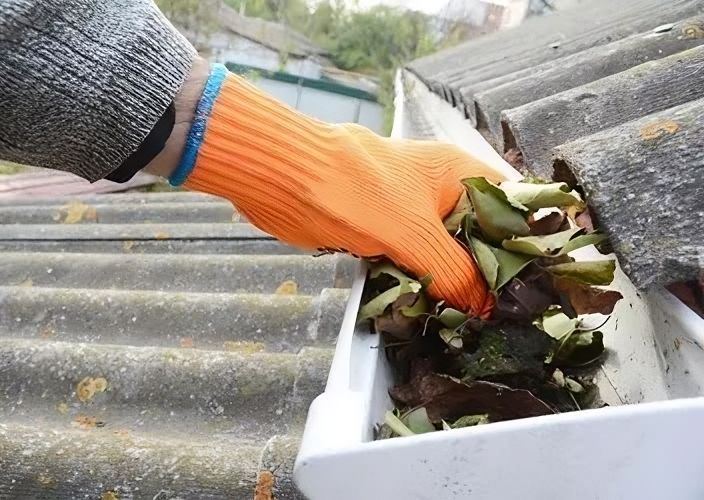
x=274 y=35
x=175 y=311
x=610 y=94
x=43 y=182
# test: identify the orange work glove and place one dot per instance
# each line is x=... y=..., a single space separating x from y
x=338 y=187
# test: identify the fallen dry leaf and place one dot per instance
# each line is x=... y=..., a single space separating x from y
x=127 y=246
x=243 y=347
x=89 y=386
x=525 y=297
x=161 y=235
x=288 y=287
x=87 y=422
x=264 y=489
x=551 y=223
x=585 y=220
x=76 y=211
x=396 y=323
x=62 y=408
x=514 y=157
x=586 y=299
x=658 y=129
x=28 y=283
x=187 y=343
x=447 y=398
x=109 y=495
x=693 y=31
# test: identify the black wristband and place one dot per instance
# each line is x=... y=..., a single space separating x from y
x=147 y=151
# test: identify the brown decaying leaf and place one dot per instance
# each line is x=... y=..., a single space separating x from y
x=89 y=386
x=447 y=398
x=551 y=223
x=584 y=220
x=514 y=157
x=395 y=323
x=186 y=343
x=587 y=299
x=264 y=489
x=526 y=296
x=87 y=422
x=109 y=495
x=62 y=408
x=691 y=293
x=28 y=283
x=161 y=235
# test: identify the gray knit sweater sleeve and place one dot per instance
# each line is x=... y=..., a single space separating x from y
x=82 y=82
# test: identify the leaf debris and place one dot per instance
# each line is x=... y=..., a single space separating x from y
x=89 y=386
x=458 y=371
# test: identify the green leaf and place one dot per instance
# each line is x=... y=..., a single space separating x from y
x=498 y=265
x=573 y=386
x=453 y=222
x=598 y=272
x=452 y=318
x=496 y=217
x=582 y=241
x=559 y=378
x=470 y=421
x=557 y=324
x=418 y=422
x=549 y=245
x=536 y=196
x=396 y=425
x=378 y=304
x=419 y=308
x=406 y=283
x=486 y=260
x=510 y=264
x=451 y=338
x=426 y=280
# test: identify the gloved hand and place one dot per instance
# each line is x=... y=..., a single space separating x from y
x=338 y=187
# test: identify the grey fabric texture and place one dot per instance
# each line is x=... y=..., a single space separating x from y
x=82 y=82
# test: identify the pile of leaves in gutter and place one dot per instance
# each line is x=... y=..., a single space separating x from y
x=533 y=356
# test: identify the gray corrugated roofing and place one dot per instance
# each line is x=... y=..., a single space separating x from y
x=603 y=86
x=209 y=370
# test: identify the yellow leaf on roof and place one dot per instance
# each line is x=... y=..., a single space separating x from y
x=288 y=287
x=76 y=211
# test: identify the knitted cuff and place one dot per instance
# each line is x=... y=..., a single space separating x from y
x=217 y=75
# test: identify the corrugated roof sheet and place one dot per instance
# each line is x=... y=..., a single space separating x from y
x=612 y=95
x=148 y=348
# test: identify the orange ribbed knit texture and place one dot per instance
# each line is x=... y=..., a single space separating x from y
x=342 y=187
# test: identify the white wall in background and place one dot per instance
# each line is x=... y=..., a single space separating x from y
x=327 y=106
